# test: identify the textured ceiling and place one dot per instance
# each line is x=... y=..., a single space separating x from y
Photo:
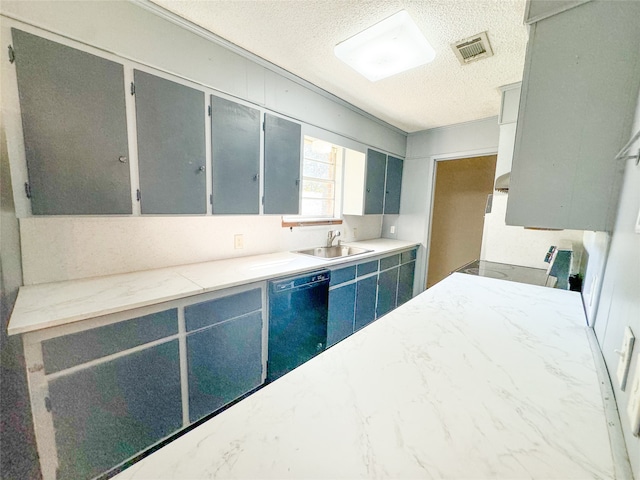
x=299 y=36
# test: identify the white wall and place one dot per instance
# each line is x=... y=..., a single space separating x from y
x=423 y=149
x=619 y=304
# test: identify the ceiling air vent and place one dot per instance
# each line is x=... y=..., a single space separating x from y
x=473 y=48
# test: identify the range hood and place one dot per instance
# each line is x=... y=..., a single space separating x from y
x=502 y=183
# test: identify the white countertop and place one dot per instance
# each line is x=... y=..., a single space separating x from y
x=474 y=378
x=53 y=304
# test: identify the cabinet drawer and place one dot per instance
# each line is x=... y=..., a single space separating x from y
x=388 y=262
x=369 y=267
x=70 y=350
x=343 y=275
x=221 y=309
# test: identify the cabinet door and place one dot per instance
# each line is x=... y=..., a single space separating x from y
x=171 y=146
x=575 y=115
x=282 y=157
x=75 y=129
x=224 y=363
x=393 y=185
x=235 y=147
x=366 y=301
x=405 y=282
x=374 y=195
x=387 y=291
x=103 y=415
x=342 y=302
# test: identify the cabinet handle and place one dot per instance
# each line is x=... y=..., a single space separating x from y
x=201 y=169
x=255 y=177
x=368 y=190
x=123 y=159
x=297 y=182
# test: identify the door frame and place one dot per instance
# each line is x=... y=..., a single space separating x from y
x=483 y=152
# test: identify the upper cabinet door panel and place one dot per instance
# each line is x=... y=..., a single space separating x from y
x=374 y=195
x=235 y=146
x=75 y=129
x=393 y=185
x=579 y=91
x=171 y=146
x=282 y=156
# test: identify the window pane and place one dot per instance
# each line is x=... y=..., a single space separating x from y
x=314 y=169
x=317 y=207
x=318 y=150
x=314 y=189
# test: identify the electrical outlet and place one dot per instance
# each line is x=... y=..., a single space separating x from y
x=625 y=357
x=633 y=408
x=238 y=241
x=392 y=229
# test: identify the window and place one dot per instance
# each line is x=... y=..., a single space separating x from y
x=321 y=167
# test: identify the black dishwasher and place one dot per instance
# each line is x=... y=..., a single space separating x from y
x=298 y=308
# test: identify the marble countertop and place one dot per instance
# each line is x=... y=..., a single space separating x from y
x=53 y=304
x=474 y=378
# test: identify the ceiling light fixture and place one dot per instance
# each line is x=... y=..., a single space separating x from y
x=391 y=46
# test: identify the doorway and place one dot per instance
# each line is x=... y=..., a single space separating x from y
x=460 y=198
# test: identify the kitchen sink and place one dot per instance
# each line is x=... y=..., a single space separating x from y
x=337 y=251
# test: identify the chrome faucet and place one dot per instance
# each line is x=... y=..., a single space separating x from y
x=331 y=236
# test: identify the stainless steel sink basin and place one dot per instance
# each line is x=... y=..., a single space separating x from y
x=338 y=251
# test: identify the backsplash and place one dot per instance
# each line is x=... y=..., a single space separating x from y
x=67 y=248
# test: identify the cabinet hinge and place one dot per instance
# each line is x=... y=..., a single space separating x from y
x=12 y=54
x=211 y=199
x=133 y=88
x=36 y=368
x=263 y=200
x=263 y=126
x=138 y=195
x=47 y=403
x=27 y=189
x=209 y=110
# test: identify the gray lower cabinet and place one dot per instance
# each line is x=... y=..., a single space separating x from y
x=374 y=186
x=235 y=150
x=366 y=290
x=105 y=414
x=104 y=394
x=282 y=158
x=224 y=350
x=342 y=303
x=170 y=121
x=224 y=363
x=75 y=129
x=405 y=282
x=387 y=291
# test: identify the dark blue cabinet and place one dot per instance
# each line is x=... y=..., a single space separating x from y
x=342 y=302
x=224 y=362
x=405 y=282
x=366 y=290
x=387 y=291
x=106 y=413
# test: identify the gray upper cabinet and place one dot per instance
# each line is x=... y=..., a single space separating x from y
x=393 y=185
x=282 y=157
x=171 y=146
x=235 y=146
x=374 y=194
x=75 y=129
x=578 y=98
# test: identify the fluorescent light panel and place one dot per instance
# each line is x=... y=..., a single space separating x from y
x=387 y=48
